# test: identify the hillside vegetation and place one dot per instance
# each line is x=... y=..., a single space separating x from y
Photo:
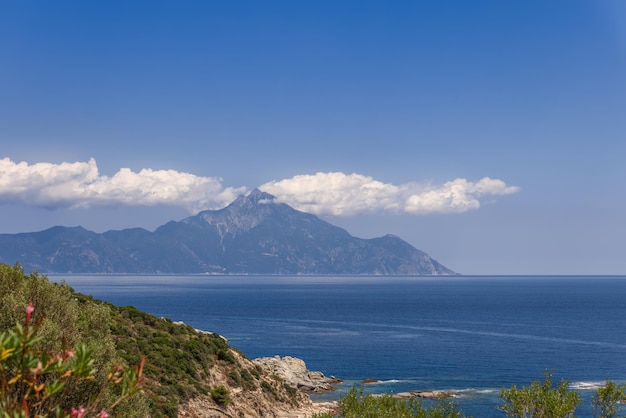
x=186 y=372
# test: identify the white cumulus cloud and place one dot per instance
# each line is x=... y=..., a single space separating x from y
x=80 y=185
x=349 y=194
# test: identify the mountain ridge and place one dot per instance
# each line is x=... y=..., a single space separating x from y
x=252 y=235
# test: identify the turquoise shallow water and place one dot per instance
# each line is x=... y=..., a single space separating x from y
x=474 y=335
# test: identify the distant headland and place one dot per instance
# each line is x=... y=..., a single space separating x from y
x=253 y=235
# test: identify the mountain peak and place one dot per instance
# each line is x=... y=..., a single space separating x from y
x=247 y=203
x=253 y=198
x=257 y=196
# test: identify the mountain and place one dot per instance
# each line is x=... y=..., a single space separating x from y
x=253 y=235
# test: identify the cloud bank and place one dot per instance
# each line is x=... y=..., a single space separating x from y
x=79 y=185
x=342 y=194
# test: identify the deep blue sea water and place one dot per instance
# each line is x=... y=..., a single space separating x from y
x=474 y=335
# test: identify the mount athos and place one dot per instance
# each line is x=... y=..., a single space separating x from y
x=252 y=235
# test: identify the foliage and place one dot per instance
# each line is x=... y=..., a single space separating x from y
x=178 y=357
x=540 y=400
x=225 y=356
x=269 y=389
x=606 y=398
x=37 y=383
x=220 y=395
x=66 y=322
x=241 y=378
x=356 y=405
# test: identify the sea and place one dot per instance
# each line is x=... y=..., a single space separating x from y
x=473 y=335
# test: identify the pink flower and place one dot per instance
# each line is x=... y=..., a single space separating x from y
x=67 y=354
x=37 y=370
x=104 y=414
x=78 y=413
x=29 y=310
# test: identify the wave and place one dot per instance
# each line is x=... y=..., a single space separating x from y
x=417 y=385
x=586 y=385
x=474 y=391
x=392 y=381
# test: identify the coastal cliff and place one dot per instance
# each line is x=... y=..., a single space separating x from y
x=196 y=374
x=272 y=394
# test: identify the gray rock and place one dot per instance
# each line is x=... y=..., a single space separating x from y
x=294 y=372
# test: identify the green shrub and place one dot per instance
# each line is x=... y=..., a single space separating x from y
x=234 y=378
x=356 y=405
x=606 y=398
x=226 y=356
x=247 y=380
x=220 y=395
x=540 y=400
x=67 y=321
x=256 y=372
x=178 y=358
x=40 y=383
x=269 y=389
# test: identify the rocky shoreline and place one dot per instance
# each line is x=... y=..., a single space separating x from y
x=295 y=373
x=282 y=390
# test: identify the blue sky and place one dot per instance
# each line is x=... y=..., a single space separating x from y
x=489 y=134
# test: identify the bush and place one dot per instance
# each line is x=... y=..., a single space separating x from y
x=225 y=356
x=606 y=398
x=68 y=318
x=38 y=383
x=178 y=358
x=540 y=400
x=220 y=395
x=357 y=405
x=66 y=322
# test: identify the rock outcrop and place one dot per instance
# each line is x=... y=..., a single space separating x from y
x=295 y=373
x=273 y=397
